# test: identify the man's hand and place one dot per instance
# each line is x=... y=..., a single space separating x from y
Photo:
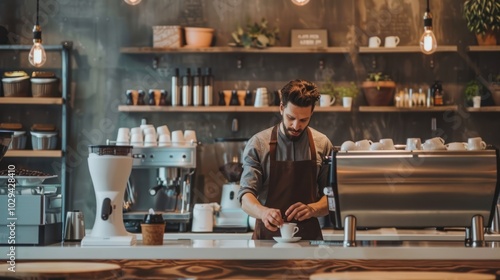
x=272 y=219
x=299 y=211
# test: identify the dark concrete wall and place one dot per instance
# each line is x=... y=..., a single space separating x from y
x=101 y=74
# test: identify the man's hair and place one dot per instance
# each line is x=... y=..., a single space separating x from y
x=300 y=93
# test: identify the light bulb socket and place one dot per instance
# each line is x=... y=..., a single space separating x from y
x=428 y=23
x=37 y=33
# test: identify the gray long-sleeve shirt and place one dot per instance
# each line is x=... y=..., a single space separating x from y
x=256 y=160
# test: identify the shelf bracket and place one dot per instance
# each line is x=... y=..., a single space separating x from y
x=239 y=63
x=321 y=64
x=431 y=62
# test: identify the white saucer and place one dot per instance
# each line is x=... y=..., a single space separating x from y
x=293 y=239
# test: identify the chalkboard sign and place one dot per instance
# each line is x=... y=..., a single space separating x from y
x=309 y=38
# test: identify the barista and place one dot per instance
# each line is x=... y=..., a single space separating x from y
x=283 y=175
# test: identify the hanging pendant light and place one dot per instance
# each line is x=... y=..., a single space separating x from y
x=37 y=55
x=428 y=42
x=133 y=2
x=300 y=2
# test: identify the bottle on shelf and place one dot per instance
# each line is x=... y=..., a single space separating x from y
x=198 y=88
x=208 y=84
x=176 y=89
x=430 y=98
x=187 y=89
x=437 y=93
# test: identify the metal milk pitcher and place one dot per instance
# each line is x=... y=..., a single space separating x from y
x=74 y=227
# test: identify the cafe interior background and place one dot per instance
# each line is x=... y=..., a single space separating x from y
x=101 y=74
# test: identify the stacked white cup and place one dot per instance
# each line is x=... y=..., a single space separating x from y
x=136 y=137
x=123 y=137
x=163 y=136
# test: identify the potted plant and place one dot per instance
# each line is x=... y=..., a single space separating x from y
x=472 y=89
x=347 y=93
x=483 y=19
x=378 y=89
x=256 y=35
x=327 y=88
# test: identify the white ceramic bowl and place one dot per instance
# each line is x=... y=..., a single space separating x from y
x=198 y=37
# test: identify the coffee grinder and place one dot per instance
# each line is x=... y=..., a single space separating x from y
x=110 y=168
x=230 y=218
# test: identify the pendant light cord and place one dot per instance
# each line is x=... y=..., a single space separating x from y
x=37 y=7
x=428 y=10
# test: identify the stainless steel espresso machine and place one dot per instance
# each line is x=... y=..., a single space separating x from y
x=415 y=189
x=161 y=179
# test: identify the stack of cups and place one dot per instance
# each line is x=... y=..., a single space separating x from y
x=123 y=137
x=136 y=137
x=163 y=136
x=150 y=137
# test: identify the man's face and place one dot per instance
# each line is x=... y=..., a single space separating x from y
x=295 y=120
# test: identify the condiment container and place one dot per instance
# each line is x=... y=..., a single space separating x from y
x=152 y=228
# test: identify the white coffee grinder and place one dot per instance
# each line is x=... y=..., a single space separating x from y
x=110 y=168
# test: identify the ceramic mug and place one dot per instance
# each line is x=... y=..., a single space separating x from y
x=388 y=143
x=476 y=100
x=363 y=145
x=391 y=41
x=348 y=146
x=456 y=146
x=413 y=144
x=374 y=42
x=377 y=146
x=326 y=100
x=436 y=143
x=476 y=143
x=288 y=230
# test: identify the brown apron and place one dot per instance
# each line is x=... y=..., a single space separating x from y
x=291 y=182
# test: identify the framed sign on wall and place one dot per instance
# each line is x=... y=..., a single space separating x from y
x=309 y=38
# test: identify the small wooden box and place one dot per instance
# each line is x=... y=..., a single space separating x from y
x=167 y=36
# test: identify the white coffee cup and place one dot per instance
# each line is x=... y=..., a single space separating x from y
x=163 y=129
x=374 y=42
x=377 y=146
x=388 y=143
x=124 y=131
x=326 y=100
x=288 y=230
x=476 y=143
x=391 y=41
x=363 y=145
x=137 y=140
x=135 y=130
x=436 y=143
x=177 y=138
x=413 y=144
x=164 y=140
x=348 y=146
x=190 y=136
x=476 y=100
x=456 y=146
x=150 y=140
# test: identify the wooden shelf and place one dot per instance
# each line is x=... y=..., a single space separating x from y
x=392 y=109
x=220 y=109
x=276 y=50
x=483 y=48
x=32 y=100
x=32 y=153
x=405 y=49
x=484 y=109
